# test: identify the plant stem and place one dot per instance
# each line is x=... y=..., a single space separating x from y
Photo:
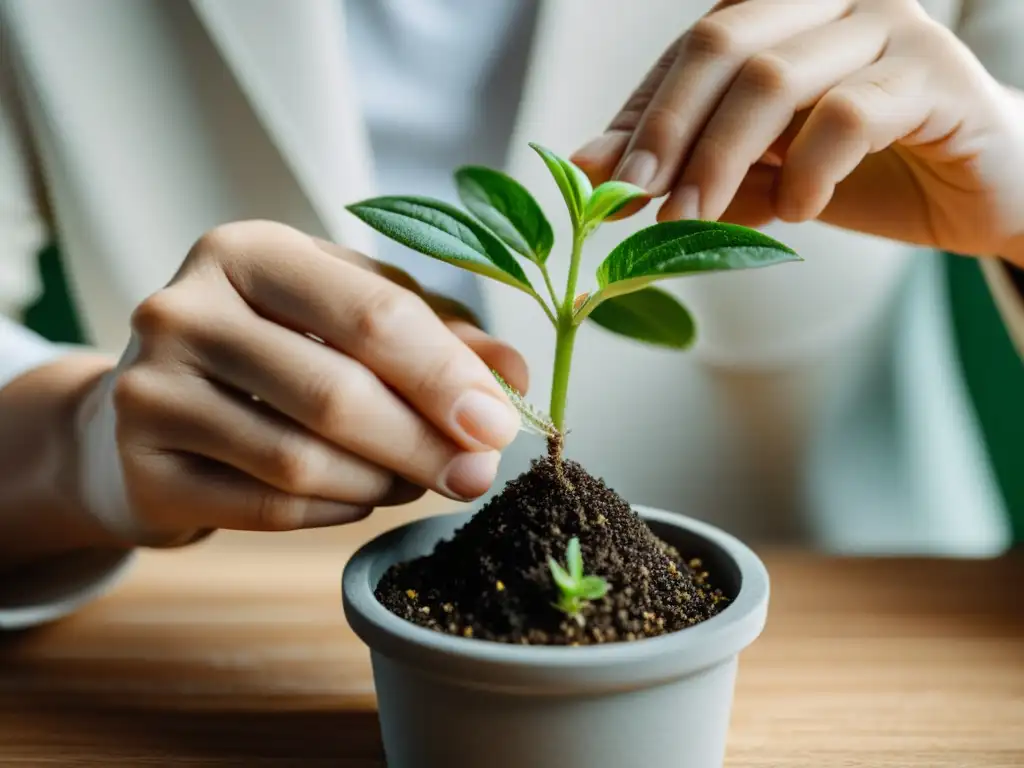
x=574 y=273
x=565 y=338
x=547 y=309
x=564 y=341
x=551 y=288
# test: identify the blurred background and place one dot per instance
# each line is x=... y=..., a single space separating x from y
x=867 y=400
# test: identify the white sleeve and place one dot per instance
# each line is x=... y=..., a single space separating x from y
x=58 y=587
x=21 y=350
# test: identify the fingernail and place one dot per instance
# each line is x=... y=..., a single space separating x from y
x=772 y=159
x=486 y=420
x=638 y=168
x=599 y=150
x=469 y=475
x=688 y=202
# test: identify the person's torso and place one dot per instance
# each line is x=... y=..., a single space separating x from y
x=155 y=124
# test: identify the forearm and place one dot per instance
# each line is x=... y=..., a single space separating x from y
x=40 y=513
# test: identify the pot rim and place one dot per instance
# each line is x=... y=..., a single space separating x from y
x=490 y=664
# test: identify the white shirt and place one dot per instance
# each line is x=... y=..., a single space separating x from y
x=439 y=85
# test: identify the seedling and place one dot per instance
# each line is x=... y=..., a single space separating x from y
x=575 y=589
x=506 y=229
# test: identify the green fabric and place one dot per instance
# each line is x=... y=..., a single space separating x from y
x=994 y=374
x=53 y=314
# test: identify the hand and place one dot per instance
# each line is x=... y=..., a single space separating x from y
x=865 y=114
x=280 y=382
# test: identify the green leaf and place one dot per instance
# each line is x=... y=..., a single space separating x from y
x=573 y=182
x=592 y=588
x=677 y=248
x=444 y=232
x=650 y=315
x=508 y=209
x=574 y=559
x=609 y=198
x=562 y=578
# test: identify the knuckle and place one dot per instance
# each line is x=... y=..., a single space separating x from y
x=711 y=38
x=294 y=466
x=926 y=35
x=662 y=126
x=225 y=240
x=767 y=73
x=327 y=404
x=135 y=390
x=161 y=314
x=843 y=112
x=386 y=314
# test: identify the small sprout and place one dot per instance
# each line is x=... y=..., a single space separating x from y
x=574 y=587
x=425 y=609
x=447 y=607
x=500 y=586
x=467 y=632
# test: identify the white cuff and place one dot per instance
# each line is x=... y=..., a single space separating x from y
x=49 y=591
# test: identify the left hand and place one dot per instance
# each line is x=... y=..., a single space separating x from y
x=864 y=114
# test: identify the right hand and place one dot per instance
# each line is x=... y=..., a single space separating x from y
x=227 y=414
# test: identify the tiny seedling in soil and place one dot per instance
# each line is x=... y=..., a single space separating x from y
x=496 y=579
x=575 y=589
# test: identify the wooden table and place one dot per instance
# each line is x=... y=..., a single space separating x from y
x=235 y=653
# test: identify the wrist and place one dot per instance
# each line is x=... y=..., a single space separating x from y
x=41 y=510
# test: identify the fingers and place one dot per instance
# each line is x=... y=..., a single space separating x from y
x=189 y=414
x=864 y=114
x=506 y=360
x=341 y=400
x=753 y=205
x=391 y=331
x=184 y=492
x=495 y=354
x=599 y=156
x=771 y=87
x=710 y=56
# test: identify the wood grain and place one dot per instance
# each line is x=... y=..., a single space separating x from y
x=236 y=653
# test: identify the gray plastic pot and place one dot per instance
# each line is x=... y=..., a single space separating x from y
x=452 y=702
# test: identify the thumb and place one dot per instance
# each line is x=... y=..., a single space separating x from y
x=599 y=157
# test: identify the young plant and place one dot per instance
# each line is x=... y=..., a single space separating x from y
x=574 y=588
x=506 y=226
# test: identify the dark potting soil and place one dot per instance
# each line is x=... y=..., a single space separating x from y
x=492 y=581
